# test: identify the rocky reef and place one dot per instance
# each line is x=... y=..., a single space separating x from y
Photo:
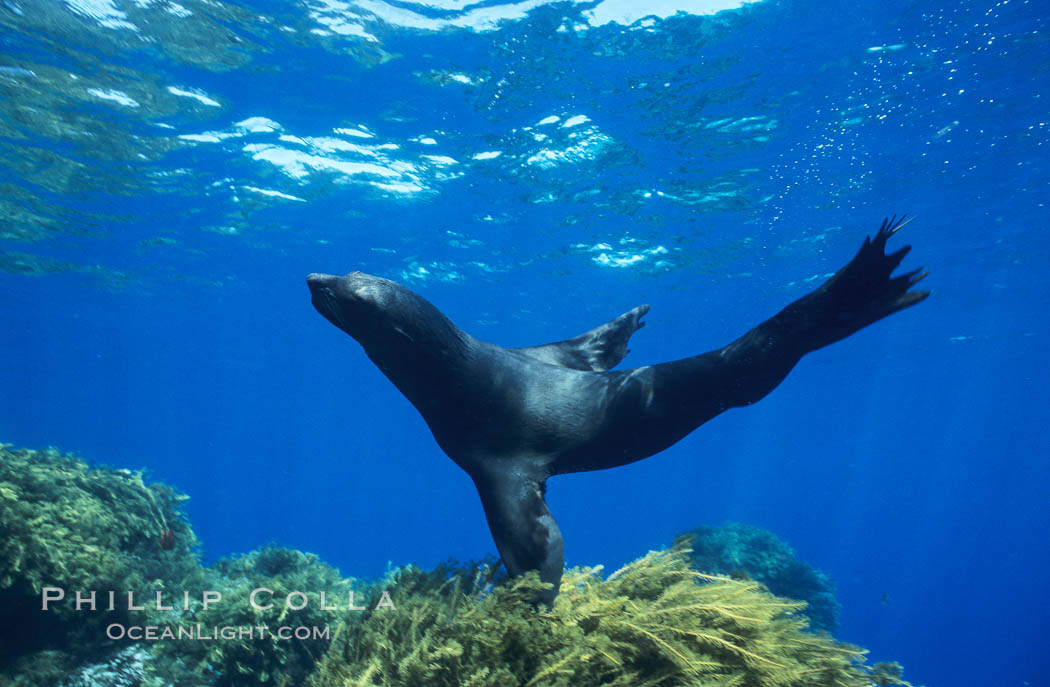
x=738 y=550
x=70 y=527
x=70 y=534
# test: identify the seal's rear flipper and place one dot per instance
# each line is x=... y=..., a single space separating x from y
x=600 y=349
x=525 y=532
x=861 y=293
x=744 y=371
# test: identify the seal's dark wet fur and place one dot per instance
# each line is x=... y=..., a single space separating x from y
x=511 y=418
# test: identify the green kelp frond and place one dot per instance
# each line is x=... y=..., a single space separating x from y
x=65 y=524
x=738 y=550
x=888 y=673
x=262 y=657
x=653 y=623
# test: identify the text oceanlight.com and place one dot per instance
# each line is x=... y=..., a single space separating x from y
x=202 y=632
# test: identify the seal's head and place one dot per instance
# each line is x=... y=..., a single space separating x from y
x=378 y=312
x=356 y=303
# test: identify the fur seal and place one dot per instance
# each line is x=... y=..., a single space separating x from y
x=512 y=417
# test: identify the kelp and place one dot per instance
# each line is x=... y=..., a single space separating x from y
x=657 y=622
x=67 y=525
x=654 y=623
x=262 y=658
x=738 y=550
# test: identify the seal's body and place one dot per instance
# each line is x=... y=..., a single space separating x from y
x=511 y=418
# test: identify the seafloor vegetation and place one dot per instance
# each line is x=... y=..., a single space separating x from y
x=745 y=551
x=658 y=621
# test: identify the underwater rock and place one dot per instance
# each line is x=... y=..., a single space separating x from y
x=740 y=550
x=125 y=668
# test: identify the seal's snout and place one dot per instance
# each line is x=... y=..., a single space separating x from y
x=323 y=296
x=321 y=292
x=317 y=280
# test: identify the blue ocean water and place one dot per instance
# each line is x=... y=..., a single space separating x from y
x=173 y=171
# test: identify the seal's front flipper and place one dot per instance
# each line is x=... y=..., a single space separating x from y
x=526 y=534
x=600 y=349
x=859 y=294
